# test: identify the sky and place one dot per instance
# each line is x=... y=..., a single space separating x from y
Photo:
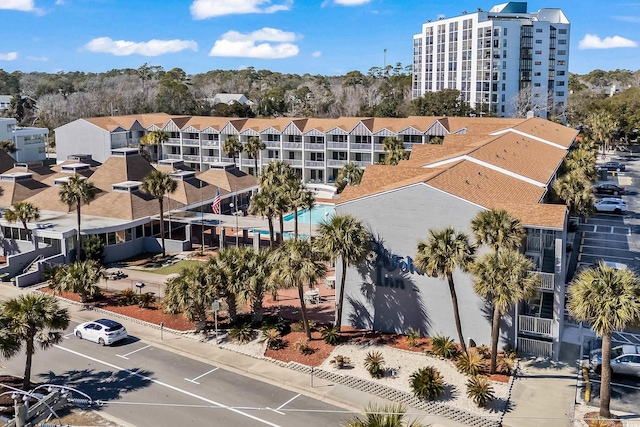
x=328 y=37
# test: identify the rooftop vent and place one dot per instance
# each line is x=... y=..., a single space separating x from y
x=125 y=152
x=16 y=176
x=81 y=158
x=126 y=186
x=65 y=179
x=183 y=175
x=74 y=167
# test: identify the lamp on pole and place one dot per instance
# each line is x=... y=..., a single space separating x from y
x=234 y=205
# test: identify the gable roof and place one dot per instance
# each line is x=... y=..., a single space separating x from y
x=230 y=180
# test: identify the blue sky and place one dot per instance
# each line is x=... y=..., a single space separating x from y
x=329 y=37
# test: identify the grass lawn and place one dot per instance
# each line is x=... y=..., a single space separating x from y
x=175 y=268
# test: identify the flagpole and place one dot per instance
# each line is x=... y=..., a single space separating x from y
x=202 y=214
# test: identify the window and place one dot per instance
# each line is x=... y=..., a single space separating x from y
x=504 y=53
x=504 y=31
x=562 y=62
x=317 y=157
x=139 y=232
x=504 y=86
x=538 y=63
x=536 y=85
x=560 y=83
x=538 y=41
x=273 y=154
x=538 y=30
x=560 y=73
x=538 y=52
x=273 y=137
x=504 y=43
x=292 y=155
x=561 y=93
x=537 y=74
x=562 y=52
x=562 y=31
x=504 y=65
x=339 y=155
x=562 y=41
x=504 y=76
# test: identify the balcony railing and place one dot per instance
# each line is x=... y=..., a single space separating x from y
x=338 y=163
x=295 y=145
x=408 y=145
x=535 y=325
x=360 y=146
x=338 y=145
x=210 y=143
x=191 y=142
x=210 y=159
x=378 y=147
x=294 y=162
x=173 y=156
x=191 y=158
x=535 y=347
x=313 y=146
x=547 y=280
x=272 y=144
x=267 y=160
x=173 y=141
x=314 y=164
x=361 y=163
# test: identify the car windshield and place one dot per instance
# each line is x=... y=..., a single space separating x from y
x=616 y=351
x=109 y=325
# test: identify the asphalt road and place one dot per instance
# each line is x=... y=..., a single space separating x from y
x=147 y=386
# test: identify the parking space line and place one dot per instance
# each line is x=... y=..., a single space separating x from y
x=197 y=378
x=124 y=356
x=619 y=385
x=288 y=401
x=66 y=337
x=606 y=256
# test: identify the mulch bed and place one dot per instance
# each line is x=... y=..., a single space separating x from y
x=593 y=416
x=320 y=349
x=6 y=402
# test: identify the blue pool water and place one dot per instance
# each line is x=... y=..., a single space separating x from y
x=319 y=213
x=285 y=235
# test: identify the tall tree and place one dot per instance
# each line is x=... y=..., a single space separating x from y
x=444 y=102
x=23 y=212
x=154 y=138
x=159 y=184
x=33 y=319
x=77 y=192
x=293 y=264
x=582 y=161
x=503 y=277
x=261 y=204
x=227 y=271
x=498 y=229
x=608 y=299
x=346 y=238
x=191 y=294
x=253 y=147
x=255 y=274
x=577 y=193
x=232 y=147
x=394 y=150
x=277 y=177
x=8 y=146
x=81 y=278
x=301 y=198
x=603 y=125
x=349 y=174
x=439 y=256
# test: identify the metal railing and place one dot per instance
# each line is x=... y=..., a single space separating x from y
x=32 y=263
x=191 y=158
x=535 y=325
x=314 y=164
x=378 y=147
x=272 y=144
x=173 y=156
x=191 y=141
x=267 y=160
x=547 y=280
x=210 y=159
x=248 y=162
x=173 y=141
x=338 y=163
x=294 y=162
x=209 y=143
x=313 y=146
x=296 y=145
x=360 y=146
x=361 y=163
x=535 y=347
x=340 y=145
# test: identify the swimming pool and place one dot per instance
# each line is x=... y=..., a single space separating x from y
x=286 y=235
x=319 y=213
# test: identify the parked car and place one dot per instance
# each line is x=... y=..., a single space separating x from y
x=625 y=359
x=607 y=188
x=610 y=204
x=102 y=331
x=612 y=166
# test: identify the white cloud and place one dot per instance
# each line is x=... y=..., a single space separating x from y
x=150 y=48
x=22 y=5
x=351 y=2
x=316 y=54
x=632 y=19
x=592 y=41
x=203 y=9
x=37 y=58
x=241 y=45
x=11 y=56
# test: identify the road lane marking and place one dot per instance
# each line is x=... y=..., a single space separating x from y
x=197 y=378
x=66 y=337
x=288 y=401
x=169 y=386
x=124 y=356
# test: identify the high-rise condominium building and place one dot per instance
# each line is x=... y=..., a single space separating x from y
x=505 y=60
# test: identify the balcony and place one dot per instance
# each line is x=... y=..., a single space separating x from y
x=210 y=159
x=547 y=280
x=361 y=163
x=191 y=158
x=294 y=145
x=272 y=144
x=336 y=163
x=313 y=146
x=210 y=143
x=294 y=162
x=313 y=164
x=378 y=147
x=337 y=145
x=173 y=141
x=191 y=142
x=267 y=160
x=535 y=325
x=407 y=145
x=248 y=162
x=360 y=146
x=535 y=347
x=173 y=156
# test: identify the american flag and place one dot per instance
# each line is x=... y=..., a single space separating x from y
x=215 y=206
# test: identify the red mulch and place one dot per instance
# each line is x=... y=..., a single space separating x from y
x=153 y=314
x=321 y=350
x=592 y=416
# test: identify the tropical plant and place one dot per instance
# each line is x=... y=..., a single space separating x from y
x=261 y=204
x=8 y=146
x=253 y=147
x=242 y=333
x=23 y=212
x=340 y=361
x=146 y=300
x=232 y=147
x=602 y=125
x=480 y=390
x=503 y=278
x=81 y=277
x=190 y=293
x=439 y=256
x=506 y=364
x=576 y=192
x=293 y=265
x=228 y=274
x=255 y=282
x=498 y=229
x=275 y=322
x=299 y=197
x=93 y=247
x=276 y=178
x=608 y=299
x=154 y=138
x=427 y=383
x=77 y=191
x=273 y=338
x=331 y=335
x=373 y=363
x=31 y=320
x=159 y=184
x=349 y=174
x=385 y=416
x=484 y=351
x=413 y=337
x=582 y=161
x=128 y=297
x=444 y=347
x=471 y=362
x=346 y=238
x=301 y=345
x=394 y=150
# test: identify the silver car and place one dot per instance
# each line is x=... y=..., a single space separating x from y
x=610 y=204
x=625 y=359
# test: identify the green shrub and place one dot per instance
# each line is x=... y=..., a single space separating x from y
x=241 y=333
x=427 y=383
x=479 y=390
x=413 y=338
x=275 y=322
x=374 y=363
x=146 y=300
x=444 y=347
x=506 y=365
x=273 y=338
x=484 y=351
x=340 y=361
x=331 y=335
x=510 y=352
x=302 y=345
x=127 y=297
x=470 y=363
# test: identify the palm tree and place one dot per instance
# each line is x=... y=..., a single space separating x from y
x=603 y=125
x=439 y=256
x=22 y=211
x=253 y=147
x=504 y=278
x=81 y=277
x=293 y=264
x=608 y=299
x=385 y=416
x=394 y=150
x=31 y=319
x=261 y=204
x=498 y=229
x=159 y=184
x=226 y=272
x=301 y=198
x=577 y=193
x=256 y=280
x=232 y=147
x=192 y=294
x=155 y=137
x=582 y=161
x=343 y=237
x=349 y=174
x=8 y=146
x=277 y=177
x=77 y=191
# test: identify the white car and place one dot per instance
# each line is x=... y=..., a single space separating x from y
x=610 y=204
x=102 y=331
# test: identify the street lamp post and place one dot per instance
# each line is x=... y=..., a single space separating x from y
x=235 y=213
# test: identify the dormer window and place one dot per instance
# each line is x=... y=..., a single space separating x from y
x=65 y=180
x=16 y=176
x=183 y=175
x=74 y=168
x=126 y=187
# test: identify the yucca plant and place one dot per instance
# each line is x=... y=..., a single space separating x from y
x=599 y=422
x=480 y=390
x=302 y=345
x=413 y=338
x=241 y=333
x=275 y=322
x=506 y=365
x=331 y=335
x=444 y=347
x=340 y=361
x=373 y=362
x=470 y=363
x=484 y=351
x=427 y=383
x=127 y=297
x=146 y=300
x=273 y=338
